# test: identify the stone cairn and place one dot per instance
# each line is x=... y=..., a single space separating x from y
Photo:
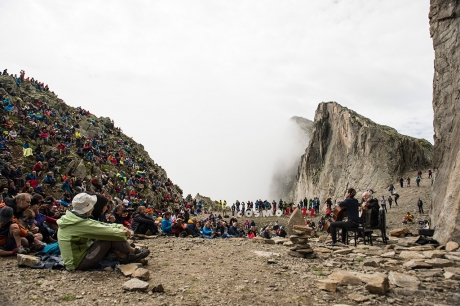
x=299 y=238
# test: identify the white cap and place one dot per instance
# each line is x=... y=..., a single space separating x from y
x=83 y=202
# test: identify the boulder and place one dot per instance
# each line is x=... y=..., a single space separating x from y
x=305 y=251
x=434 y=254
x=358 y=297
x=411 y=255
x=379 y=284
x=128 y=269
x=135 y=284
x=158 y=289
x=326 y=284
x=303 y=228
x=412 y=264
x=296 y=254
x=295 y=219
x=80 y=171
x=439 y=262
x=452 y=257
x=27 y=260
x=345 y=278
x=452 y=246
x=388 y=255
x=403 y=280
x=399 y=232
x=343 y=251
x=142 y=274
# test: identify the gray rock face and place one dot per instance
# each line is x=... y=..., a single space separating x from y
x=349 y=150
x=444 y=29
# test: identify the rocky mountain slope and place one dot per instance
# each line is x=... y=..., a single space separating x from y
x=444 y=29
x=34 y=109
x=349 y=150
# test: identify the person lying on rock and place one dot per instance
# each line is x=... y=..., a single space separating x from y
x=85 y=242
x=352 y=206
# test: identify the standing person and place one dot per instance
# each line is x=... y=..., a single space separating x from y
x=408 y=182
x=233 y=209
x=352 y=206
x=390 y=200
x=420 y=206
x=396 y=198
x=383 y=203
x=417 y=180
x=401 y=182
x=419 y=173
x=391 y=189
x=429 y=173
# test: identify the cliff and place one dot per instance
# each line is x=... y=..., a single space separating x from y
x=349 y=150
x=444 y=29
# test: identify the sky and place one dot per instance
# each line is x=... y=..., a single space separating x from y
x=208 y=87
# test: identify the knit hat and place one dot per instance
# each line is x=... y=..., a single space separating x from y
x=6 y=214
x=83 y=202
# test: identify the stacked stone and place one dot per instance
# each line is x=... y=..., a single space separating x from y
x=299 y=238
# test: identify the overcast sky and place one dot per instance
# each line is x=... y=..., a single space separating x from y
x=208 y=86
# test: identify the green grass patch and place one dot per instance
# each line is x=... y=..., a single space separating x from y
x=359 y=259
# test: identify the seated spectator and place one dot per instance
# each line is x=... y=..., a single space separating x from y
x=12 y=135
x=207 y=231
x=38 y=167
x=27 y=222
x=49 y=179
x=166 y=224
x=282 y=232
x=26 y=187
x=142 y=223
x=408 y=218
x=39 y=190
x=117 y=214
x=233 y=230
x=192 y=226
x=95 y=183
x=61 y=147
x=266 y=233
x=85 y=242
x=100 y=209
x=11 y=241
x=251 y=234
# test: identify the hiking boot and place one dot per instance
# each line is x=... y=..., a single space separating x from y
x=130 y=258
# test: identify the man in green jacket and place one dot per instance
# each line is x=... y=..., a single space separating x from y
x=85 y=242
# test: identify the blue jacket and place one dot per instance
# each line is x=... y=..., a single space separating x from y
x=166 y=226
x=207 y=231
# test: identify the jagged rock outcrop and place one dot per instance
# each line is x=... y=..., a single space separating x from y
x=285 y=170
x=444 y=29
x=349 y=150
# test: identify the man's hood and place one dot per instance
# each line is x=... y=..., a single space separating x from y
x=70 y=218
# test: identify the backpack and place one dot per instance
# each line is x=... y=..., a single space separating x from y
x=52 y=249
